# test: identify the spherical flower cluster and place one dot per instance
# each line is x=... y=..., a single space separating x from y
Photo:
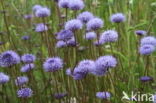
x=140 y=32
x=36 y=7
x=27 y=67
x=85 y=16
x=53 y=64
x=21 y=80
x=61 y=44
x=9 y=58
x=28 y=58
x=109 y=36
x=103 y=64
x=150 y=40
x=103 y=95
x=117 y=18
x=64 y=35
x=95 y=24
x=25 y=93
x=71 y=42
x=76 y=4
x=41 y=27
x=84 y=67
x=73 y=25
x=42 y=12
x=90 y=35
x=4 y=78
x=69 y=72
x=146 y=49
x=146 y=79
x=63 y=3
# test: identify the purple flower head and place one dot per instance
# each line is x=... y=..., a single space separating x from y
x=146 y=79
x=69 y=72
x=71 y=42
x=4 y=78
x=73 y=25
x=28 y=58
x=90 y=36
x=36 y=7
x=24 y=93
x=79 y=74
x=64 y=35
x=53 y=64
x=9 y=58
x=148 y=40
x=109 y=36
x=140 y=32
x=43 y=12
x=27 y=67
x=63 y=3
x=60 y=95
x=60 y=44
x=103 y=63
x=76 y=4
x=146 y=49
x=25 y=37
x=41 y=27
x=117 y=18
x=85 y=16
x=103 y=95
x=28 y=16
x=95 y=24
x=21 y=80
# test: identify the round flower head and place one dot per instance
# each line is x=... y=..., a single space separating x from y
x=76 y=4
x=86 y=66
x=154 y=98
x=21 y=80
x=85 y=16
x=146 y=49
x=28 y=58
x=90 y=36
x=103 y=95
x=63 y=3
x=69 y=72
x=9 y=58
x=140 y=32
x=148 y=40
x=73 y=25
x=99 y=43
x=60 y=95
x=64 y=35
x=25 y=93
x=60 y=44
x=36 y=7
x=94 y=24
x=109 y=36
x=53 y=64
x=106 y=61
x=4 y=78
x=27 y=67
x=146 y=79
x=71 y=42
x=117 y=18
x=41 y=27
x=42 y=12
x=79 y=73
x=25 y=37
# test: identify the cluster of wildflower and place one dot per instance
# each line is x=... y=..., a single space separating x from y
x=147 y=45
